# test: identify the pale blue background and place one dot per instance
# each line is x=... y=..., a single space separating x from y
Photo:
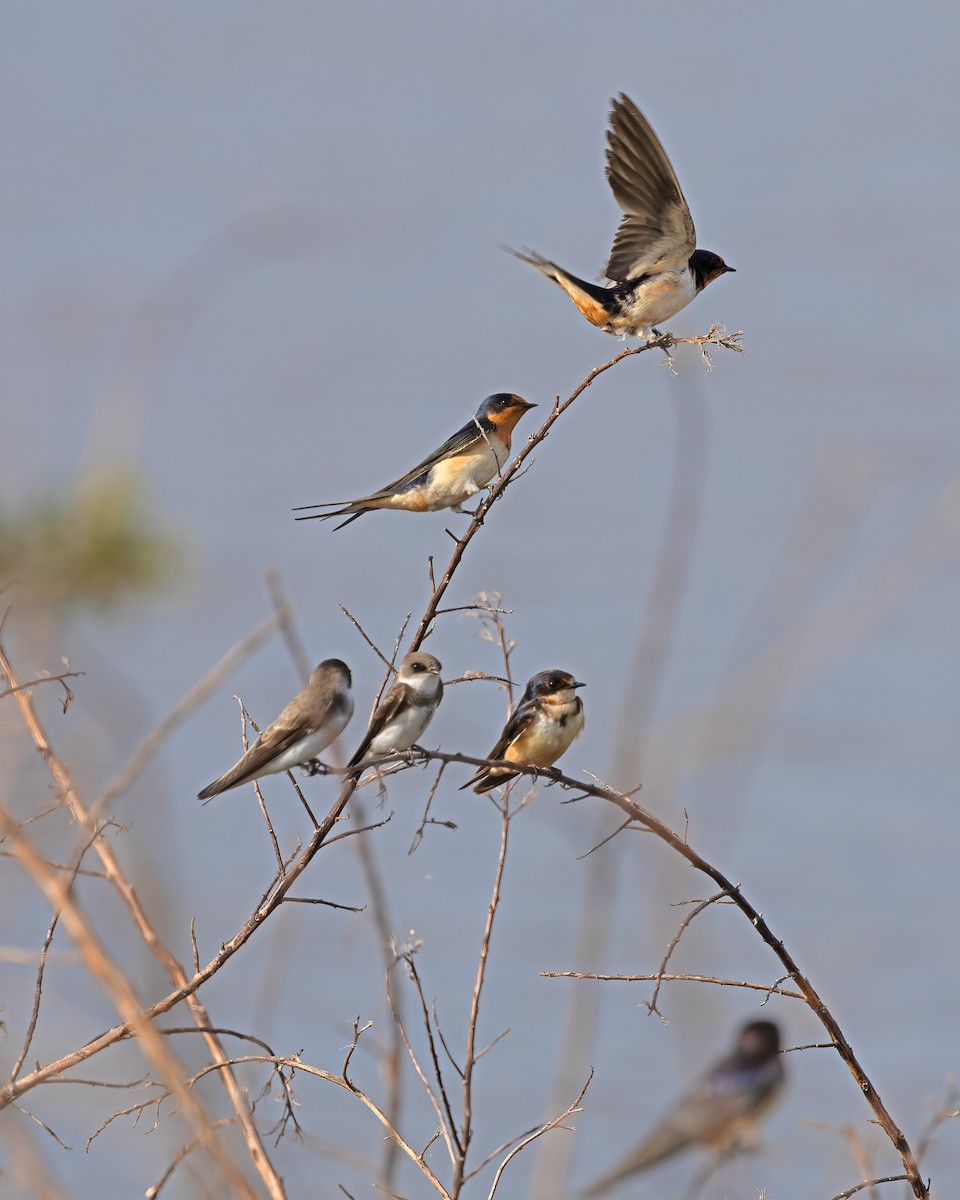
x=252 y=249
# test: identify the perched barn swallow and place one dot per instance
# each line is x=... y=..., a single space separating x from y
x=304 y=729
x=722 y=1110
x=452 y=474
x=654 y=266
x=546 y=719
x=405 y=711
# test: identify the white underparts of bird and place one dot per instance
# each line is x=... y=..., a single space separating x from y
x=305 y=728
x=405 y=711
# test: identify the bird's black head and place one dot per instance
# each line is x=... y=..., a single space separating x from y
x=549 y=683
x=503 y=407
x=707 y=266
x=759 y=1041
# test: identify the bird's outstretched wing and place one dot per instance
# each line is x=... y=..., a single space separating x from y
x=657 y=232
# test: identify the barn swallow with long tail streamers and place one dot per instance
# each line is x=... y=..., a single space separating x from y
x=546 y=719
x=404 y=712
x=305 y=728
x=453 y=473
x=722 y=1110
x=654 y=267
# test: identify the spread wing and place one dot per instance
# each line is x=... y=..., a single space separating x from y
x=385 y=711
x=657 y=230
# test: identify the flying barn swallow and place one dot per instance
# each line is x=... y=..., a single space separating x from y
x=655 y=266
x=453 y=473
x=722 y=1110
x=305 y=728
x=405 y=711
x=546 y=719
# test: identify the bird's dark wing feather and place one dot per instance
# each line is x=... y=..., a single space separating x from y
x=519 y=719
x=273 y=741
x=657 y=230
x=385 y=711
x=461 y=441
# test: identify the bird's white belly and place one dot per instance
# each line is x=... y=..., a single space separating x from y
x=457 y=479
x=660 y=297
x=401 y=732
x=306 y=748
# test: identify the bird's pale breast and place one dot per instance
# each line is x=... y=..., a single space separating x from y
x=547 y=736
x=655 y=300
x=454 y=480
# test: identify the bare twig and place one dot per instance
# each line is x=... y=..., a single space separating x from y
x=555 y=1123
x=469 y=1056
x=686 y=978
x=872 y=1183
x=181 y=1154
x=183 y=709
x=674 y=942
x=120 y=991
x=134 y=1019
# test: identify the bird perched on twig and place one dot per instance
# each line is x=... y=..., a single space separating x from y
x=404 y=712
x=721 y=1111
x=655 y=266
x=546 y=719
x=305 y=728
x=449 y=476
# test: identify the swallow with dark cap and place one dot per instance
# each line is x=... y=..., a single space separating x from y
x=304 y=729
x=721 y=1112
x=655 y=267
x=546 y=719
x=453 y=473
x=405 y=711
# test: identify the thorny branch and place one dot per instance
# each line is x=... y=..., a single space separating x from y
x=275 y=894
x=715 y=337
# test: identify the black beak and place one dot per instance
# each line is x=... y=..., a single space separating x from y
x=576 y=685
x=733 y=270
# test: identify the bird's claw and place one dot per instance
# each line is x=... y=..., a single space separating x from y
x=314 y=767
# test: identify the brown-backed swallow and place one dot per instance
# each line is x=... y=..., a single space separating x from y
x=722 y=1110
x=546 y=719
x=654 y=266
x=405 y=711
x=453 y=473
x=304 y=729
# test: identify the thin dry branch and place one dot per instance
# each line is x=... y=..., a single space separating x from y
x=807 y=992
x=714 y=337
x=769 y=989
x=152 y=1192
x=118 y=988
x=135 y=1019
x=555 y=1123
x=674 y=942
x=872 y=1183
x=184 y=708
x=470 y=1056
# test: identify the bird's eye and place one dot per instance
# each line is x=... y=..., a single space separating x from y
x=419 y=667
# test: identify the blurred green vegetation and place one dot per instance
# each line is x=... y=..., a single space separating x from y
x=97 y=545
